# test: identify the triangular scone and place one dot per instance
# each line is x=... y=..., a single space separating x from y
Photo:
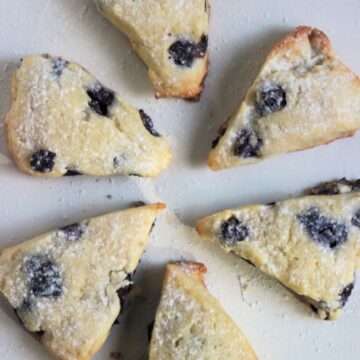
x=310 y=244
x=170 y=36
x=64 y=122
x=190 y=323
x=63 y=284
x=303 y=97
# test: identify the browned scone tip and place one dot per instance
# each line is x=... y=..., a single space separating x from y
x=195 y=269
x=159 y=206
x=318 y=40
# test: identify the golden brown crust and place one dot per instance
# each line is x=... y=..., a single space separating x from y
x=187 y=314
x=306 y=51
x=197 y=270
x=29 y=130
x=107 y=250
x=279 y=239
x=190 y=91
x=318 y=40
x=215 y=166
x=151 y=43
x=200 y=227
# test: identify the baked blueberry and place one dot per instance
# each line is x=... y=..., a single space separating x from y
x=43 y=161
x=355 y=185
x=184 y=52
x=44 y=277
x=58 y=66
x=57 y=286
x=336 y=187
x=123 y=291
x=149 y=126
x=355 y=220
x=25 y=305
x=323 y=230
x=101 y=99
x=72 y=232
x=345 y=294
x=232 y=231
x=271 y=99
x=201 y=47
x=247 y=144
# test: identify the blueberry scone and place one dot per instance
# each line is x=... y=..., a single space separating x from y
x=190 y=323
x=310 y=244
x=170 y=36
x=64 y=122
x=66 y=286
x=303 y=97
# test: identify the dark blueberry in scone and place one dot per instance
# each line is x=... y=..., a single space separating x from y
x=149 y=126
x=355 y=185
x=306 y=243
x=183 y=52
x=345 y=294
x=271 y=99
x=101 y=99
x=201 y=47
x=72 y=232
x=323 y=230
x=124 y=291
x=247 y=144
x=342 y=186
x=25 y=305
x=69 y=120
x=69 y=289
x=355 y=220
x=43 y=161
x=233 y=230
x=58 y=66
x=44 y=277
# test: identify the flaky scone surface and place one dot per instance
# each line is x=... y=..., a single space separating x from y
x=310 y=244
x=63 y=284
x=303 y=97
x=190 y=323
x=64 y=122
x=170 y=36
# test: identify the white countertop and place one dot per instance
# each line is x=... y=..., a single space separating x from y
x=242 y=32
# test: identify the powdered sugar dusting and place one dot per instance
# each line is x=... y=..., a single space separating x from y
x=67 y=289
x=53 y=112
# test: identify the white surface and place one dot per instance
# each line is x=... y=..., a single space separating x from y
x=242 y=32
